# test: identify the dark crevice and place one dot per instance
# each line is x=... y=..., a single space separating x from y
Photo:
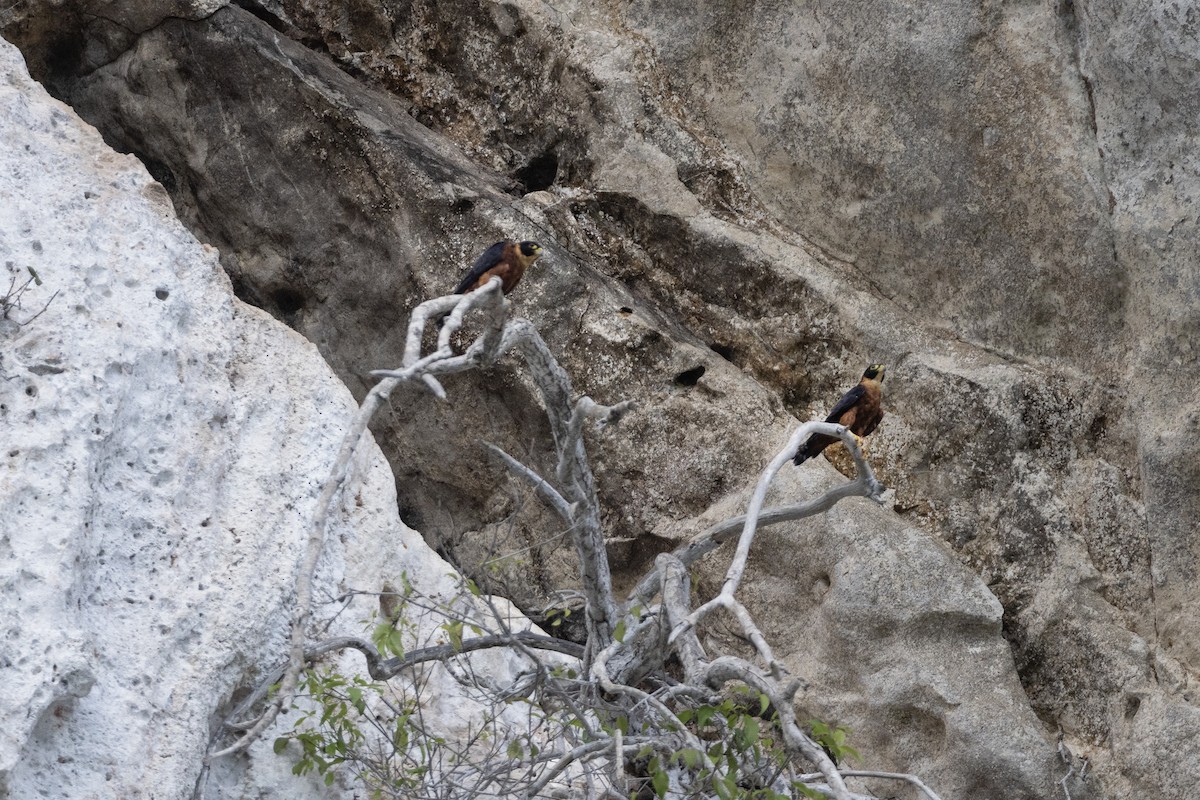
x=1091 y=98
x=690 y=377
x=160 y=171
x=257 y=11
x=64 y=56
x=288 y=301
x=539 y=174
x=1075 y=36
x=724 y=351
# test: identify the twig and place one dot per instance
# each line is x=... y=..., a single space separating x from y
x=895 y=776
x=544 y=489
x=382 y=669
x=590 y=748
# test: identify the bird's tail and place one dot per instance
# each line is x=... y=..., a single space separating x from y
x=812 y=448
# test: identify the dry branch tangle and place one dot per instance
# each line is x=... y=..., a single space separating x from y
x=626 y=643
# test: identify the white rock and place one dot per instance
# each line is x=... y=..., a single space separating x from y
x=161 y=449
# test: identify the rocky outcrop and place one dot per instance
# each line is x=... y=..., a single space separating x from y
x=740 y=210
x=163 y=447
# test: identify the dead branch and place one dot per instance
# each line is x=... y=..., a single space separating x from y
x=441 y=361
x=597 y=747
x=865 y=484
x=895 y=776
x=627 y=648
x=574 y=476
x=543 y=488
x=382 y=669
x=12 y=297
x=499 y=335
x=700 y=671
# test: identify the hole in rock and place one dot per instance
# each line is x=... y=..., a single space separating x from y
x=626 y=310
x=690 y=377
x=288 y=301
x=61 y=60
x=539 y=173
x=723 y=350
x=161 y=294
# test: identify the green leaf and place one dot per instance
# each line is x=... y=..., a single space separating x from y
x=691 y=757
x=619 y=633
x=750 y=727
x=281 y=744
x=454 y=630
x=661 y=783
x=807 y=791
x=726 y=786
x=515 y=751
x=764 y=703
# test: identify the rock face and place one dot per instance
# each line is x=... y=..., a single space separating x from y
x=741 y=207
x=163 y=448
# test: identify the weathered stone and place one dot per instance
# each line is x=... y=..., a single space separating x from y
x=989 y=199
x=162 y=449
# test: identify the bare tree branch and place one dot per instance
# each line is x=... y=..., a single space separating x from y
x=624 y=675
x=574 y=475
x=631 y=746
x=864 y=485
x=895 y=776
x=441 y=361
x=544 y=489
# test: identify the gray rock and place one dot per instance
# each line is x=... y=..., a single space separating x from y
x=161 y=444
x=998 y=202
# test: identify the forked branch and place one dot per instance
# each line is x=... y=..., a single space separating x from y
x=498 y=335
x=624 y=676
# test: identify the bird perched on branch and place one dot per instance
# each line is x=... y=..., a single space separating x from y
x=507 y=259
x=860 y=410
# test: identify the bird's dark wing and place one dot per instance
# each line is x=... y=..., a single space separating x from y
x=848 y=401
x=490 y=258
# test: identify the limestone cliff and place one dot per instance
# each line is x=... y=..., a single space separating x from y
x=163 y=447
x=741 y=206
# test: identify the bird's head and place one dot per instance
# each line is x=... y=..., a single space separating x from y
x=530 y=251
x=874 y=372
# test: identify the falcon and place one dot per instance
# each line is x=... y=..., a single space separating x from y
x=507 y=259
x=860 y=410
